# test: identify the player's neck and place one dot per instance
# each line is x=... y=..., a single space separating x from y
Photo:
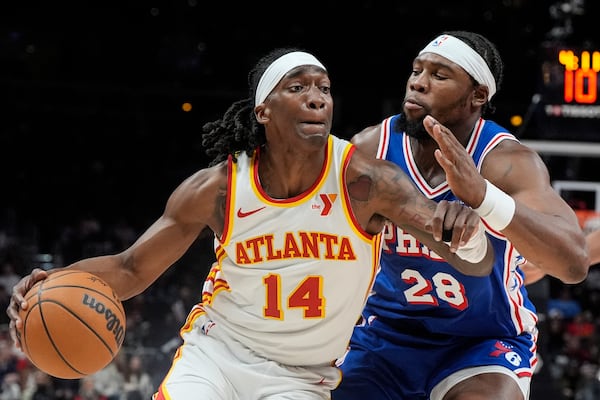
x=285 y=175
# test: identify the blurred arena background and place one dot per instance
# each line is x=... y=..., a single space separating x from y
x=102 y=105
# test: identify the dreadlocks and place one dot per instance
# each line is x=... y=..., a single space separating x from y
x=239 y=130
x=488 y=51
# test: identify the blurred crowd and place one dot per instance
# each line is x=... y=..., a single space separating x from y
x=127 y=377
x=153 y=318
x=569 y=315
x=572 y=353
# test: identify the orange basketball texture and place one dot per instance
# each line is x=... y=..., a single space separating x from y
x=74 y=325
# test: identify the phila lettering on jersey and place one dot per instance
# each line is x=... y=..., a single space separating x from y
x=413 y=279
x=293 y=274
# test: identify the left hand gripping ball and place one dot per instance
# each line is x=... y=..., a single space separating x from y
x=74 y=325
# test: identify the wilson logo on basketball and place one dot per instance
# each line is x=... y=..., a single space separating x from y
x=113 y=324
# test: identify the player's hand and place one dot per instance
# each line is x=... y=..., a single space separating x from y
x=462 y=175
x=454 y=222
x=17 y=301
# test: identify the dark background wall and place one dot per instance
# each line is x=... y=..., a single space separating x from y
x=91 y=92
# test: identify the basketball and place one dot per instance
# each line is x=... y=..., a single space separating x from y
x=74 y=325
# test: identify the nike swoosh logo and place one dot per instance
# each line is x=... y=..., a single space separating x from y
x=242 y=214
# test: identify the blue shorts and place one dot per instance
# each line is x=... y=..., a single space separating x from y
x=384 y=363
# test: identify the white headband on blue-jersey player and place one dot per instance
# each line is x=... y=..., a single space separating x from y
x=277 y=70
x=462 y=54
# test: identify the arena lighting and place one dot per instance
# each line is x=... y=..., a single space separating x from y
x=562 y=13
x=516 y=120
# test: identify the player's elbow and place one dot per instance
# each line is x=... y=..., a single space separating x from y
x=578 y=269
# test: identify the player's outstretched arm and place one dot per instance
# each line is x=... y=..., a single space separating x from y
x=380 y=188
x=514 y=196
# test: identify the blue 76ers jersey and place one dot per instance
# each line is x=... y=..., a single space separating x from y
x=417 y=290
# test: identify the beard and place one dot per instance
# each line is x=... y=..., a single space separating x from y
x=414 y=129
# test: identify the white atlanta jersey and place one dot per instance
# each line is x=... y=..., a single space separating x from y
x=293 y=274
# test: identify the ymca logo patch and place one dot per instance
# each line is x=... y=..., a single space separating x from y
x=327 y=201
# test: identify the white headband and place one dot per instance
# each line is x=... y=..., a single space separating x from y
x=277 y=70
x=462 y=54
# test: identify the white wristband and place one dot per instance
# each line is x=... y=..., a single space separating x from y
x=497 y=208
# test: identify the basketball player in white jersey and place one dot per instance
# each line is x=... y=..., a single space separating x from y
x=297 y=216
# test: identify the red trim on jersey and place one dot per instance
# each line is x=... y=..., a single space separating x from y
x=414 y=171
x=384 y=138
x=475 y=137
x=524 y=374
x=228 y=198
x=346 y=195
x=497 y=139
x=514 y=303
x=159 y=395
x=497 y=233
x=302 y=195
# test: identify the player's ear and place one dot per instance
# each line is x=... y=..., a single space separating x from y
x=262 y=113
x=480 y=95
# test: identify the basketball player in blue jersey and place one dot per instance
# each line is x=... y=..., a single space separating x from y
x=297 y=216
x=428 y=330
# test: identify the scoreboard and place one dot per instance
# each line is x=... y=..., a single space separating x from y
x=570 y=102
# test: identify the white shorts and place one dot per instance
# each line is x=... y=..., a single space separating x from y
x=205 y=367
